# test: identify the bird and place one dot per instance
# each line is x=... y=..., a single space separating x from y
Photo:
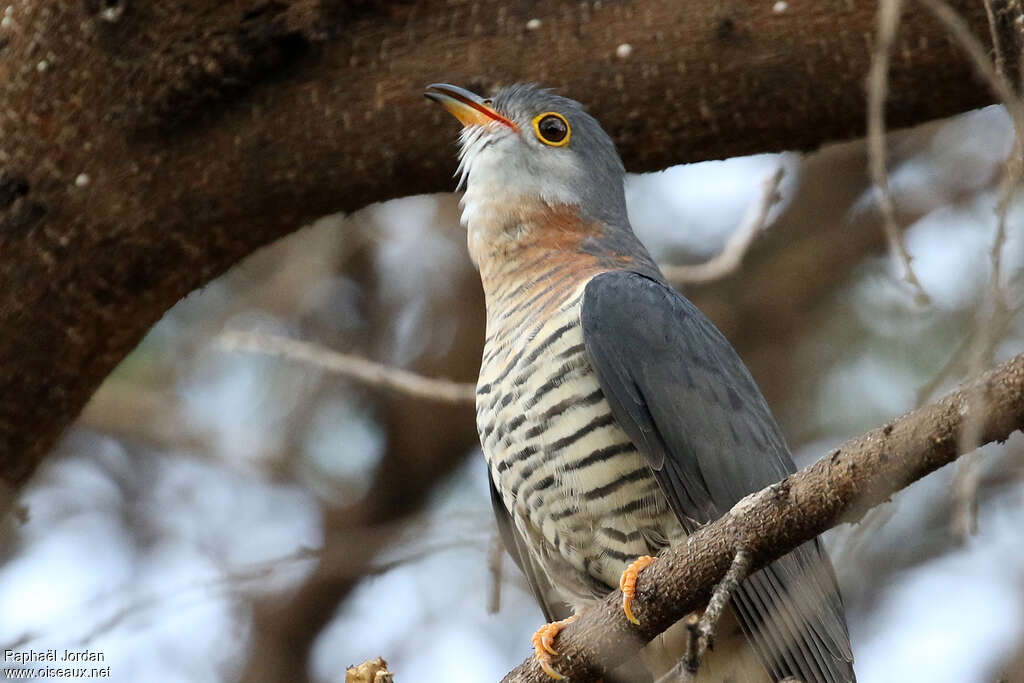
x=614 y=417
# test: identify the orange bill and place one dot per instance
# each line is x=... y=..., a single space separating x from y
x=469 y=108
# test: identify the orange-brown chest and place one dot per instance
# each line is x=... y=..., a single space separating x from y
x=533 y=261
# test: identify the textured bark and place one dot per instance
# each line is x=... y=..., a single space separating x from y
x=147 y=145
x=839 y=488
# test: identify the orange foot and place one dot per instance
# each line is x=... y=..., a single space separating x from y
x=627 y=584
x=543 y=649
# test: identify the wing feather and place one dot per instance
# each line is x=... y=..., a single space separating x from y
x=687 y=401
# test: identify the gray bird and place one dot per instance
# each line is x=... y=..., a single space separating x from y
x=614 y=417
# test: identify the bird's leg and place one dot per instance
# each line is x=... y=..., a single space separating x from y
x=543 y=647
x=702 y=629
x=627 y=584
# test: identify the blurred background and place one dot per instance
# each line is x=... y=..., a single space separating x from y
x=221 y=514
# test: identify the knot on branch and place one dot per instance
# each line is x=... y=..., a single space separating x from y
x=18 y=211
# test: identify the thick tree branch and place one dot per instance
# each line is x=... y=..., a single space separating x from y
x=144 y=151
x=839 y=488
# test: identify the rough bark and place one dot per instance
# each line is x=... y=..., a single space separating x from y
x=147 y=145
x=839 y=488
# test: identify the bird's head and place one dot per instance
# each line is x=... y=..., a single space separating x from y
x=526 y=144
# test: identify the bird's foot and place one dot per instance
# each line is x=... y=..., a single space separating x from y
x=627 y=584
x=543 y=644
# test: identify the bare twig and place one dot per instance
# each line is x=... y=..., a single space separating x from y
x=754 y=222
x=702 y=632
x=1004 y=18
x=992 y=325
x=998 y=47
x=353 y=367
x=878 y=88
x=839 y=488
x=987 y=329
x=978 y=349
x=978 y=55
x=687 y=666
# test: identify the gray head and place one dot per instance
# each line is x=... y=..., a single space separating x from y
x=529 y=143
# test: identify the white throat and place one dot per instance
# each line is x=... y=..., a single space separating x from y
x=503 y=184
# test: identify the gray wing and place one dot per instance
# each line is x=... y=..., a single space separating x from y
x=687 y=401
x=515 y=544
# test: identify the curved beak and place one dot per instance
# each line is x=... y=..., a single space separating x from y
x=469 y=108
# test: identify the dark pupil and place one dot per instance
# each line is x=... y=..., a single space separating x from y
x=552 y=129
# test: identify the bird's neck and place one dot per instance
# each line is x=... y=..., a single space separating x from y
x=533 y=252
x=506 y=230
x=507 y=234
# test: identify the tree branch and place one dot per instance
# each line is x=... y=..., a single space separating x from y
x=702 y=632
x=727 y=261
x=878 y=89
x=348 y=365
x=144 y=151
x=839 y=488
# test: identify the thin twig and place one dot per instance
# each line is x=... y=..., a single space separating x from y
x=878 y=89
x=726 y=262
x=992 y=326
x=687 y=666
x=998 y=49
x=978 y=349
x=1004 y=17
x=348 y=365
x=702 y=633
x=978 y=55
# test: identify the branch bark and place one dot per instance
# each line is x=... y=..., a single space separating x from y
x=145 y=150
x=839 y=488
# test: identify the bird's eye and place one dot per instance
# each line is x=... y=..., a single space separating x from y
x=552 y=129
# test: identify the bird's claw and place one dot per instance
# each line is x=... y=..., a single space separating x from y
x=627 y=584
x=543 y=645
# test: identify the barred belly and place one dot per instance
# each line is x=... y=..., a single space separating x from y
x=577 y=489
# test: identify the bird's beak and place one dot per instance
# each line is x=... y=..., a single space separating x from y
x=469 y=108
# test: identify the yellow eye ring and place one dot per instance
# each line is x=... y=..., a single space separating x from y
x=556 y=131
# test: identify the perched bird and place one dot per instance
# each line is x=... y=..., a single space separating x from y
x=614 y=417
